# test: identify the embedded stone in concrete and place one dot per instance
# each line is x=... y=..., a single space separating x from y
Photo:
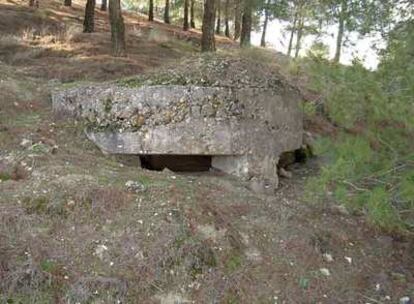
x=244 y=127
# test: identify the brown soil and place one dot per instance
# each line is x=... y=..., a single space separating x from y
x=50 y=42
x=72 y=231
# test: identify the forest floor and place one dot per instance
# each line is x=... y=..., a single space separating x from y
x=73 y=231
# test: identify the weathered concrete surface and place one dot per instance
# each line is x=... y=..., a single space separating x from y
x=244 y=126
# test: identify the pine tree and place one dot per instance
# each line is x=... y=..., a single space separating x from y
x=167 y=12
x=218 y=25
x=89 y=21
x=341 y=28
x=34 y=3
x=360 y=16
x=246 y=24
x=299 y=35
x=237 y=19
x=186 y=24
x=207 y=38
x=104 y=5
x=303 y=16
x=151 y=10
x=226 y=19
x=117 y=29
x=292 y=33
x=192 y=22
x=266 y=20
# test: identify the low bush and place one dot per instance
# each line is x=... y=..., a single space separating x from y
x=369 y=164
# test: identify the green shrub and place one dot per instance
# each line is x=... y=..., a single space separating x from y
x=369 y=165
x=380 y=212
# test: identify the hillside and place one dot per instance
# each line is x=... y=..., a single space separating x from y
x=77 y=226
x=49 y=43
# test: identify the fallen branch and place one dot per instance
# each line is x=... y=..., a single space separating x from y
x=354 y=186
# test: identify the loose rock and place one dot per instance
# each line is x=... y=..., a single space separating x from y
x=325 y=272
x=135 y=186
x=405 y=300
x=328 y=257
x=285 y=173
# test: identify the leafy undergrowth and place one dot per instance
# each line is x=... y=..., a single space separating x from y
x=370 y=161
x=360 y=125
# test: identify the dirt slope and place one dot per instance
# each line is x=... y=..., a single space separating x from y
x=80 y=227
x=48 y=42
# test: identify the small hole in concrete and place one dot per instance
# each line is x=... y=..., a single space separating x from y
x=297 y=156
x=177 y=163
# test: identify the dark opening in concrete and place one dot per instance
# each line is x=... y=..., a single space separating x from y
x=178 y=163
x=300 y=155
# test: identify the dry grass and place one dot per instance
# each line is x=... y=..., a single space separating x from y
x=87 y=239
x=71 y=232
x=56 y=48
x=15 y=172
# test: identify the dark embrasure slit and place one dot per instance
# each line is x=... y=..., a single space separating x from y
x=177 y=163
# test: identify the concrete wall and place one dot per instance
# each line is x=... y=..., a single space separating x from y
x=245 y=129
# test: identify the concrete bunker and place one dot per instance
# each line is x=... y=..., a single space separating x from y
x=229 y=114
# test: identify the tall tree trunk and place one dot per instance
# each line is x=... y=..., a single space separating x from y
x=151 y=10
x=67 y=3
x=192 y=22
x=117 y=28
x=292 y=34
x=207 y=39
x=237 y=19
x=167 y=12
x=89 y=21
x=341 y=29
x=246 y=24
x=104 y=5
x=299 y=36
x=186 y=24
x=226 y=19
x=218 y=29
x=34 y=3
x=263 y=40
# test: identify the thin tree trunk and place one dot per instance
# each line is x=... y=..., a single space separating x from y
x=192 y=22
x=104 y=5
x=237 y=20
x=67 y=3
x=246 y=25
x=151 y=10
x=341 y=29
x=299 y=36
x=218 y=29
x=263 y=40
x=89 y=21
x=167 y=12
x=207 y=38
x=186 y=25
x=34 y=3
x=292 y=34
x=226 y=19
x=117 y=28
